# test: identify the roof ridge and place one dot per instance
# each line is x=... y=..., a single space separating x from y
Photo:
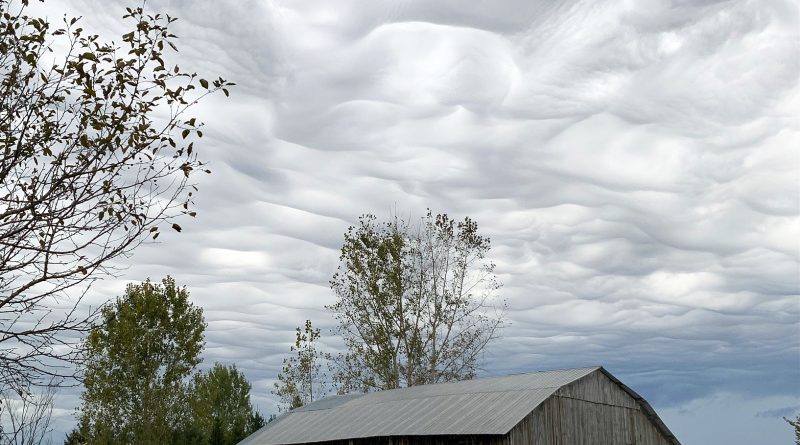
x=431 y=396
x=356 y=396
x=593 y=368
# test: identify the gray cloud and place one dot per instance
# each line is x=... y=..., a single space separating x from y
x=634 y=164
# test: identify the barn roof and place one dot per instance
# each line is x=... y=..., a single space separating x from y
x=487 y=406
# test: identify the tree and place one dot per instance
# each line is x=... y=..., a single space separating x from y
x=25 y=418
x=220 y=406
x=138 y=362
x=415 y=303
x=796 y=425
x=96 y=155
x=255 y=422
x=75 y=438
x=302 y=379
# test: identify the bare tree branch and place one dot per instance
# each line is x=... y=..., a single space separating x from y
x=96 y=156
x=25 y=418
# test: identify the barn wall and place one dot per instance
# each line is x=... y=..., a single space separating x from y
x=591 y=411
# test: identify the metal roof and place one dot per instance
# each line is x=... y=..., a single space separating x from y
x=482 y=406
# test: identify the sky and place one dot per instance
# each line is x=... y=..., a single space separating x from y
x=635 y=164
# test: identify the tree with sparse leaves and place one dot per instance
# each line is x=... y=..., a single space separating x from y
x=139 y=359
x=96 y=155
x=416 y=303
x=302 y=379
x=795 y=424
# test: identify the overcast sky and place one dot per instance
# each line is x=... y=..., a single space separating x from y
x=635 y=164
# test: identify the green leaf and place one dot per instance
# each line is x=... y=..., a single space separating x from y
x=204 y=83
x=176 y=227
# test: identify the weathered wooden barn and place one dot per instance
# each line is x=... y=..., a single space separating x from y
x=585 y=406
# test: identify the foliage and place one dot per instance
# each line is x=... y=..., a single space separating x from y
x=415 y=304
x=139 y=381
x=255 y=422
x=302 y=379
x=138 y=362
x=96 y=154
x=25 y=418
x=796 y=425
x=75 y=438
x=220 y=406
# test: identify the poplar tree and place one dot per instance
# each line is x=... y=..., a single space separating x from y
x=416 y=302
x=303 y=378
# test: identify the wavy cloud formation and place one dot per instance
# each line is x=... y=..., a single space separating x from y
x=634 y=163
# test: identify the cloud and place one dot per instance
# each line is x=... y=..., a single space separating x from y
x=632 y=162
x=787 y=411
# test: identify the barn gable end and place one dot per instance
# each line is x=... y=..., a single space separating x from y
x=595 y=409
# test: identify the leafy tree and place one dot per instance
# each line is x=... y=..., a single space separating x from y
x=75 y=438
x=256 y=422
x=796 y=425
x=96 y=155
x=187 y=434
x=138 y=361
x=220 y=406
x=415 y=303
x=302 y=379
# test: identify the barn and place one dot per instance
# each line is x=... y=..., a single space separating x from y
x=586 y=406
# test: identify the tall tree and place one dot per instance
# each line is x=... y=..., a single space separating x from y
x=96 y=155
x=302 y=379
x=416 y=303
x=220 y=406
x=138 y=363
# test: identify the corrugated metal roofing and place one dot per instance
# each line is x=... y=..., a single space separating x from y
x=481 y=406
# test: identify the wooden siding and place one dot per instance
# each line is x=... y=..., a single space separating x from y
x=591 y=411
x=598 y=388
